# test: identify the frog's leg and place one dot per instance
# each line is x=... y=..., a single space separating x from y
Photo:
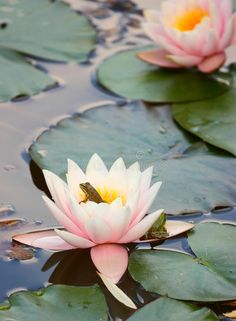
x=86 y=198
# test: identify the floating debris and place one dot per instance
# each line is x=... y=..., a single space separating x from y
x=20 y=252
x=7 y=209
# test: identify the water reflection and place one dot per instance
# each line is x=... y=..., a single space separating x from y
x=75 y=268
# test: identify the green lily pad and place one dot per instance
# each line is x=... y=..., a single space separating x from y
x=208 y=277
x=126 y=75
x=58 y=302
x=45 y=29
x=32 y=80
x=195 y=177
x=213 y=120
x=165 y=309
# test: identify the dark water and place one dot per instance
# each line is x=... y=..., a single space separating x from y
x=22 y=121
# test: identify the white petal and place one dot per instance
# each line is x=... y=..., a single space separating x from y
x=118 y=166
x=57 y=189
x=146 y=202
x=53 y=243
x=75 y=176
x=96 y=171
x=133 y=202
x=228 y=34
x=61 y=217
x=74 y=240
x=146 y=178
x=119 y=222
x=79 y=212
x=98 y=230
x=137 y=231
x=134 y=167
x=185 y=61
x=117 y=292
x=96 y=164
x=211 y=43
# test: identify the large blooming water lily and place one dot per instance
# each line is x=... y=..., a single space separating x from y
x=124 y=197
x=191 y=33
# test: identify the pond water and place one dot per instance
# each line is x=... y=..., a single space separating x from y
x=23 y=120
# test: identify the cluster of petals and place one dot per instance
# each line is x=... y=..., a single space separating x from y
x=191 y=33
x=103 y=227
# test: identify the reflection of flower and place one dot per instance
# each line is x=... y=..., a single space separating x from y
x=191 y=33
x=119 y=219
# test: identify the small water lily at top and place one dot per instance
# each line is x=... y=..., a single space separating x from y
x=100 y=209
x=190 y=33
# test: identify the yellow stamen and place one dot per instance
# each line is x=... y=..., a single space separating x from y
x=109 y=195
x=190 y=19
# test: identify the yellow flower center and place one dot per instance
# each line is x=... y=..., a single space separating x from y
x=109 y=195
x=190 y=19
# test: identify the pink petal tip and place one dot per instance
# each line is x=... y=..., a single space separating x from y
x=157 y=58
x=212 y=63
x=111 y=260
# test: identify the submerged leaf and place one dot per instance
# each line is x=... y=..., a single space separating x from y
x=126 y=75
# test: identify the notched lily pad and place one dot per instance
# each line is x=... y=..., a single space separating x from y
x=126 y=75
x=212 y=120
x=195 y=176
x=165 y=309
x=209 y=276
x=60 y=302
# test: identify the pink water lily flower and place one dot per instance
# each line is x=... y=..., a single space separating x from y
x=190 y=33
x=120 y=218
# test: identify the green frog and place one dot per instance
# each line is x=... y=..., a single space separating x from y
x=90 y=193
x=158 y=230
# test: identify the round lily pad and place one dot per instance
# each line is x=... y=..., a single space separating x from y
x=213 y=120
x=126 y=75
x=165 y=309
x=209 y=276
x=195 y=177
x=57 y=303
x=45 y=29
x=32 y=81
